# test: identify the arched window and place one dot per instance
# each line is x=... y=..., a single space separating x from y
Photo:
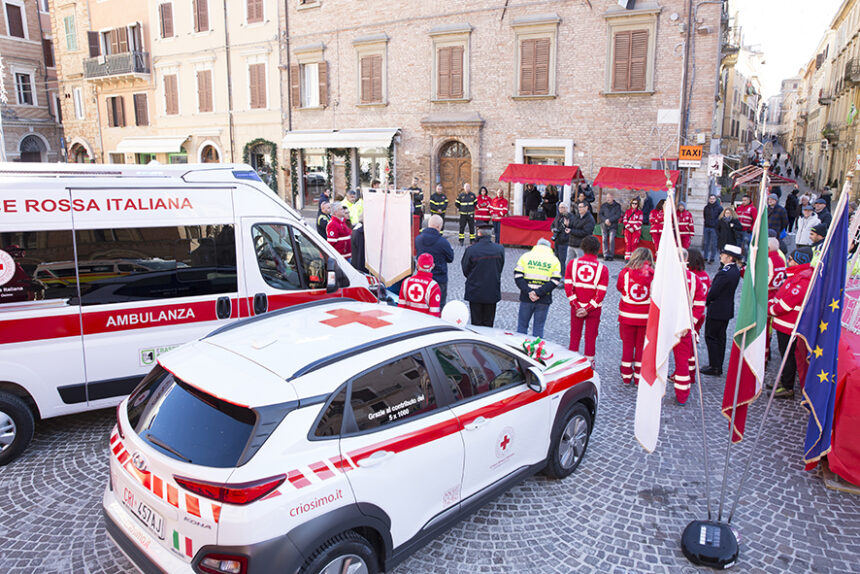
x=32 y=149
x=209 y=155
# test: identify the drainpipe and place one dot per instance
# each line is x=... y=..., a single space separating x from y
x=229 y=85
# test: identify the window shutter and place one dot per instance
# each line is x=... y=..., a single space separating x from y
x=621 y=65
x=120 y=111
x=48 y=53
x=16 y=22
x=111 y=117
x=457 y=72
x=171 y=95
x=638 y=60
x=527 y=67
x=255 y=11
x=93 y=41
x=204 y=90
x=252 y=85
x=541 y=74
x=201 y=15
x=443 y=80
x=122 y=40
x=376 y=78
x=257 y=79
x=112 y=42
x=141 y=113
x=323 y=75
x=366 y=79
x=295 y=87
x=166 y=20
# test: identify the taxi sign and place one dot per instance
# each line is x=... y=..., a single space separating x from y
x=690 y=156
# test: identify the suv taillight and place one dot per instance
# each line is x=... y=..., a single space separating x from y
x=241 y=493
x=223 y=564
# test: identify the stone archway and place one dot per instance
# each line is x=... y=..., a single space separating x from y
x=33 y=149
x=455 y=169
x=79 y=154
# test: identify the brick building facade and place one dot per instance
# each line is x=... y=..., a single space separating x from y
x=32 y=130
x=462 y=89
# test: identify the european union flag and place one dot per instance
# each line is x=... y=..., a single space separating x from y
x=819 y=327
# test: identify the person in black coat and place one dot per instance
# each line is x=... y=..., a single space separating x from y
x=561 y=233
x=532 y=199
x=430 y=241
x=356 y=241
x=710 y=245
x=482 y=265
x=729 y=230
x=550 y=199
x=792 y=207
x=721 y=308
x=581 y=226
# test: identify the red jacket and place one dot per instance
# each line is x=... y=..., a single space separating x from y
x=420 y=293
x=685 y=223
x=585 y=282
x=339 y=235
x=498 y=208
x=635 y=288
x=656 y=220
x=632 y=220
x=703 y=285
x=775 y=272
x=747 y=215
x=785 y=306
x=482 y=209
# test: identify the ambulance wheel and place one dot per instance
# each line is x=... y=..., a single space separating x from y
x=347 y=552
x=16 y=427
x=569 y=441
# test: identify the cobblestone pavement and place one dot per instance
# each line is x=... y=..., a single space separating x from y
x=622 y=511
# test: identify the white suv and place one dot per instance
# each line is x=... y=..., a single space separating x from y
x=333 y=436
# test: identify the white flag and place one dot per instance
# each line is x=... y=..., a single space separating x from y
x=388 y=235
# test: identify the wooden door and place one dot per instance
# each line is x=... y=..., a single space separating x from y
x=455 y=169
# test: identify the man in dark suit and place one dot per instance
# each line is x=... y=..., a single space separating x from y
x=482 y=265
x=721 y=308
x=430 y=241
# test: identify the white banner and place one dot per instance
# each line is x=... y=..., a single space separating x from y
x=388 y=235
x=715 y=165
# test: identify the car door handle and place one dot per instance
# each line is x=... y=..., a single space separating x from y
x=476 y=424
x=261 y=303
x=376 y=458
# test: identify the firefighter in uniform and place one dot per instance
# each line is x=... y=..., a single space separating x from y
x=465 y=204
x=420 y=292
x=634 y=284
x=417 y=200
x=323 y=218
x=784 y=309
x=632 y=224
x=537 y=274
x=585 y=283
x=439 y=204
x=498 y=210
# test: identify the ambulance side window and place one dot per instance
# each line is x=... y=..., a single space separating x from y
x=391 y=393
x=150 y=263
x=313 y=260
x=36 y=266
x=276 y=256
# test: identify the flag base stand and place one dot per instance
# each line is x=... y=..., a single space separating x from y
x=711 y=544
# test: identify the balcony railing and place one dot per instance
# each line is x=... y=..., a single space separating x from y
x=112 y=65
x=852 y=71
x=825 y=98
x=830 y=132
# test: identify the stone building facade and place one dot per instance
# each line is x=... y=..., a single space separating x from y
x=454 y=92
x=31 y=127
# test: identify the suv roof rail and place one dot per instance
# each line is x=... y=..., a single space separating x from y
x=341 y=354
x=278 y=313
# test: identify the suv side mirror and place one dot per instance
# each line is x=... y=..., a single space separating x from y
x=535 y=380
x=331 y=283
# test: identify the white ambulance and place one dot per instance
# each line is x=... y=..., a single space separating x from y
x=105 y=267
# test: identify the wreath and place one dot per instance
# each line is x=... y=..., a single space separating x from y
x=294 y=173
x=270 y=179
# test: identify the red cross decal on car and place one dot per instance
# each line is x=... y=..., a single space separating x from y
x=505 y=442
x=346 y=317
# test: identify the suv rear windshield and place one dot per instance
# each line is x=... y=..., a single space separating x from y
x=187 y=424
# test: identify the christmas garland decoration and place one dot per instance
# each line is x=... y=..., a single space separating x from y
x=347 y=164
x=273 y=159
x=328 y=170
x=294 y=173
x=391 y=163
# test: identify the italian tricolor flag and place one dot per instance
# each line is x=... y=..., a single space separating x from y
x=750 y=328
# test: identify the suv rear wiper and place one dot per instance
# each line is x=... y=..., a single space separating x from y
x=160 y=443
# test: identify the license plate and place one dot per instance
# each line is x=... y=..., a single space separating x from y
x=145 y=513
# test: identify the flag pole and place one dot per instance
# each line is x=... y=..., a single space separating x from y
x=696 y=376
x=846 y=191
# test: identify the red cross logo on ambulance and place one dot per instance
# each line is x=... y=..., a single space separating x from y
x=639 y=292
x=7 y=267
x=505 y=443
x=585 y=273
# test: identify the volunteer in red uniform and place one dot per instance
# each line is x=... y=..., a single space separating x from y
x=632 y=224
x=634 y=283
x=776 y=269
x=498 y=210
x=482 y=207
x=784 y=309
x=686 y=227
x=747 y=212
x=696 y=264
x=656 y=222
x=683 y=351
x=585 y=283
x=419 y=292
x=338 y=231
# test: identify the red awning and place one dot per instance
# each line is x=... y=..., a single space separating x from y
x=751 y=176
x=545 y=174
x=629 y=178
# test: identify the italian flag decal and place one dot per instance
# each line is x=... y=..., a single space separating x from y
x=182 y=544
x=750 y=329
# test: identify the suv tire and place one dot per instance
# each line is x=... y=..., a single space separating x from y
x=569 y=441
x=342 y=554
x=16 y=427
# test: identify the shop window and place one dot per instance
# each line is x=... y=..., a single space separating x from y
x=178 y=158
